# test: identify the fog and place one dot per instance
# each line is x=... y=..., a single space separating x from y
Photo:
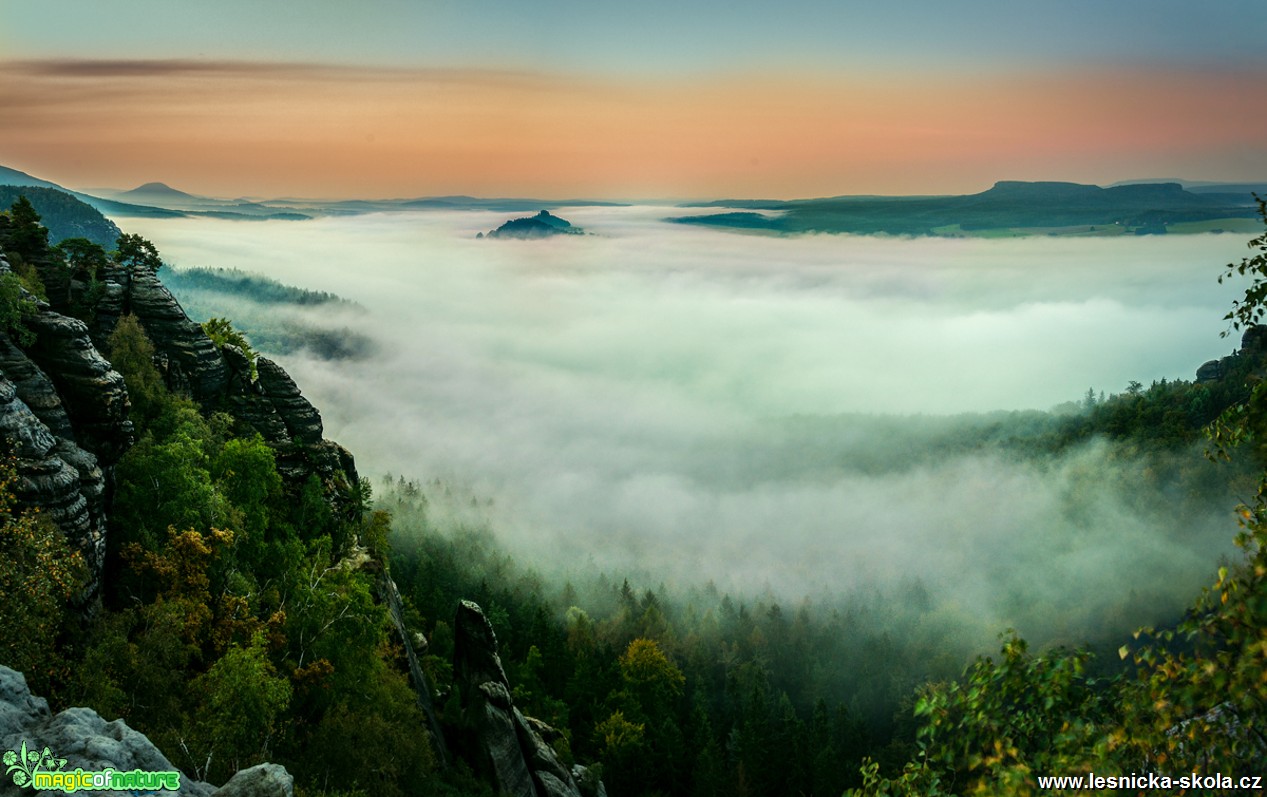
x=624 y=399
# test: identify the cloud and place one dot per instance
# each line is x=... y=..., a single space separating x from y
x=703 y=405
x=267 y=127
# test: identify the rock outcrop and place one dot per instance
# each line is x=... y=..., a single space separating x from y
x=64 y=409
x=93 y=393
x=56 y=475
x=497 y=740
x=191 y=362
x=87 y=741
x=264 y=398
x=54 y=472
x=542 y=225
x=390 y=596
x=1252 y=353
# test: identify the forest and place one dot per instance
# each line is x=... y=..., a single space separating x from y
x=239 y=621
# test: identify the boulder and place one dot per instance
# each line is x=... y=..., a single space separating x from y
x=261 y=780
x=87 y=741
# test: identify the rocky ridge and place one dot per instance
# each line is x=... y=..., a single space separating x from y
x=64 y=409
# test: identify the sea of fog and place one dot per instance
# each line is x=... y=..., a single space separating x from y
x=624 y=398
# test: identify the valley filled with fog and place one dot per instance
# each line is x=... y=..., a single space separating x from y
x=768 y=413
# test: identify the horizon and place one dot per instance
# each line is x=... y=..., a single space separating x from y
x=493 y=99
x=115 y=192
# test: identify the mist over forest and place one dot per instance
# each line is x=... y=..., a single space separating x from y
x=797 y=417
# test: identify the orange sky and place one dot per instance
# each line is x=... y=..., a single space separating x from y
x=243 y=128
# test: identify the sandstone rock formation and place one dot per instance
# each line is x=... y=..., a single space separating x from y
x=64 y=408
x=39 y=426
x=390 y=596
x=190 y=360
x=495 y=737
x=1253 y=347
x=87 y=741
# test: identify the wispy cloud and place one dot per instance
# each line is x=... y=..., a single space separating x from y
x=319 y=129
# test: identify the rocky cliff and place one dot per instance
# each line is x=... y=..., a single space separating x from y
x=499 y=742
x=63 y=415
x=64 y=409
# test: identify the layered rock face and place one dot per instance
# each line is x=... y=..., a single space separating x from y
x=64 y=408
x=499 y=741
x=85 y=740
x=220 y=378
x=61 y=434
x=190 y=362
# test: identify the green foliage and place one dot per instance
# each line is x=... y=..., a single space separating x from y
x=39 y=575
x=79 y=277
x=83 y=257
x=26 y=236
x=134 y=252
x=232 y=282
x=222 y=333
x=14 y=310
x=1250 y=310
x=241 y=701
x=165 y=481
x=64 y=215
x=132 y=355
x=1198 y=698
x=264 y=311
x=28 y=276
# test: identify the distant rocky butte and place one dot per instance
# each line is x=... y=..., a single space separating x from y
x=542 y=225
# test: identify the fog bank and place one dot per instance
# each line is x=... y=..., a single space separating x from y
x=619 y=396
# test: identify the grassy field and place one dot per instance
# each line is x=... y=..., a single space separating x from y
x=1238 y=226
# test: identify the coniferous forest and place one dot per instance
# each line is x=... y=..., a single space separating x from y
x=240 y=615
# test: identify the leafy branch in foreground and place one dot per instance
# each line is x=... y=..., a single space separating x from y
x=1197 y=703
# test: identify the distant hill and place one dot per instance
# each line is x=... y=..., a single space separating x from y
x=542 y=225
x=156 y=192
x=1009 y=206
x=1207 y=187
x=65 y=216
x=13 y=177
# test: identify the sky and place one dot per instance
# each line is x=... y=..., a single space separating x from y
x=648 y=99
